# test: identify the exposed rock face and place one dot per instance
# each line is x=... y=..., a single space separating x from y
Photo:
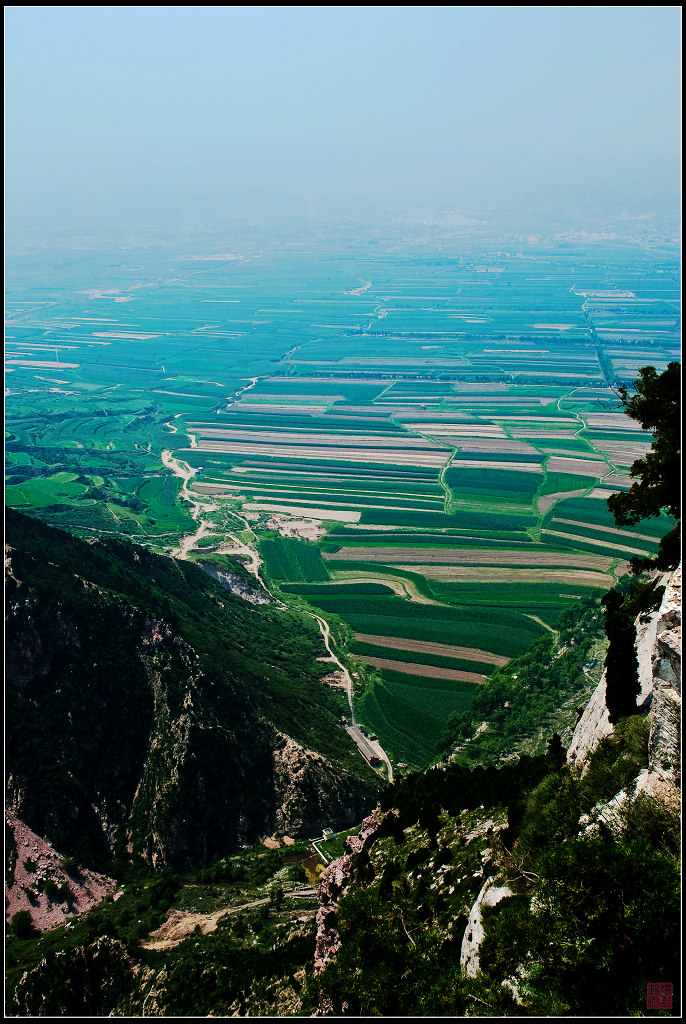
x=40 y=637
x=593 y=725
x=190 y=740
x=63 y=712
x=310 y=790
x=236 y=584
x=662 y=779
x=334 y=883
x=490 y=895
x=667 y=655
x=658 y=648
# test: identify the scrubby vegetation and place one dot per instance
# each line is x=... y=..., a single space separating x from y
x=257 y=955
x=535 y=694
x=578 y=936
x=656 y=404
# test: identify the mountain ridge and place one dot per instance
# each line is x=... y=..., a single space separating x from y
x=125 y=711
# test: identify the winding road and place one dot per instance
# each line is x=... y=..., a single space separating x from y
x=205 y=527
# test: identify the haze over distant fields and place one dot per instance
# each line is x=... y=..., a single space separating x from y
x=178 y=118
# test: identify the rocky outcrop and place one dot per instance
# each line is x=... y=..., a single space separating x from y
x=662 y=778
x=666 y=661
x=236 y=584
x=40 y=636
x=593 y=725
x=334 y=883
x=490 y=895
x=658 y=649
x=309 y=791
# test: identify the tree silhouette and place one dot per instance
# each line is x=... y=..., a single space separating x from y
x=656 y=405
x=622 y=684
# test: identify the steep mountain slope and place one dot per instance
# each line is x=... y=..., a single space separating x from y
x=149 y=710
x=540 y=886
x=547 y=886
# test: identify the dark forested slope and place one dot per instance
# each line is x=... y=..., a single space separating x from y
x=148 y=709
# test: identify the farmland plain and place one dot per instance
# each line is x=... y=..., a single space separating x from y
x=418 y=446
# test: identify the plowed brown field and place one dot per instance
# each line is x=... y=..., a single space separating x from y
x=399 y=643
x=430 y=671
x=469 y=556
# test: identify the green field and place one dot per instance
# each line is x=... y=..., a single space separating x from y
x=293 y=561
x=446 y=389
x=410 y=712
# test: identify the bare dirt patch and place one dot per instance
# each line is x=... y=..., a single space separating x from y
x=567 y=433
x=286 y=399
x=466 y=430
x=254 y=406
x=312 y=437
x=623 y=453
x=504 y=446
x=338 y=515
x=87 y=889
x=336 y=680
x=179 y=925
x=601 y=492
x=544 y=503
x=554 y=327
x=124 y=334
x=42 y=365
x=519 y=467
x=287 y=526
x=576 y=467
x=612 y=421
x=399 y=457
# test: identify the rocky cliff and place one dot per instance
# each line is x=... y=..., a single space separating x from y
x=662 y=778
x=309 y=789
x=658 y=648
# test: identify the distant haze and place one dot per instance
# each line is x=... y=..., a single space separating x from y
x=178 y=117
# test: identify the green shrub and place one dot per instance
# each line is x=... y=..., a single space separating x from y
x=21 y=925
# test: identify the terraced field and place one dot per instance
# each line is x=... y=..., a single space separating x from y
x=420 y=445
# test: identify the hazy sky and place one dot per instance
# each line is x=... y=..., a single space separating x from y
x=166 y=114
